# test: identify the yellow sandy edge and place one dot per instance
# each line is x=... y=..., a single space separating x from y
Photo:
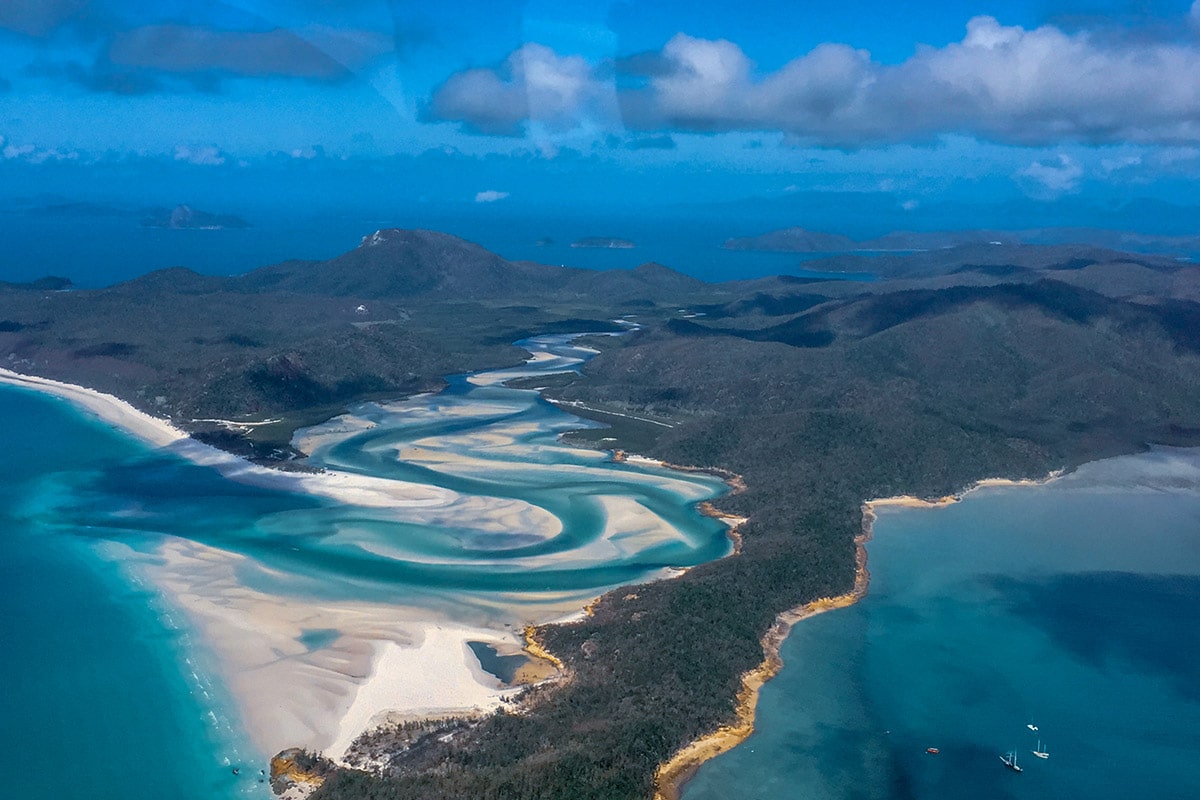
x=534 y=648
x=671 y=776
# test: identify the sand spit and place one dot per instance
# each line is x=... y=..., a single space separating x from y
x=672 y=775
x=345 y=488
x=383 y=657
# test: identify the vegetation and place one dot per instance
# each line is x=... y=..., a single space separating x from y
x=819 y=394
x=914 y=391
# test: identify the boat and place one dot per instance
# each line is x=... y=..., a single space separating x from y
x=1039 y=752
x=1032 y=727
x=1010 y=761
x=933 y=751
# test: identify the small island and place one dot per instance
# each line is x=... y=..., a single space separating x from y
x=603 y=242
x=184 y=217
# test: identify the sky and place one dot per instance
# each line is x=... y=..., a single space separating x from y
x=272 y=106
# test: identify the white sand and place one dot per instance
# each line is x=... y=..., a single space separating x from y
x=112 y=410
x=438 y=676
x=386 y=657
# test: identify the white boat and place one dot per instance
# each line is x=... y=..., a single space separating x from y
x=1010 y=761
x=1039 y=752
x=1032 y=727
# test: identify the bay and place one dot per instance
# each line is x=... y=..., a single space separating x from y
x=1073 y=607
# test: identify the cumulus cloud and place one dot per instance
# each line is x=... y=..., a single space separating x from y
x=32 y=154
x=321 y=54
x=1002 y=83
x=1052 y=177
x=490 y=196
x=204 y=155
x=534 y=84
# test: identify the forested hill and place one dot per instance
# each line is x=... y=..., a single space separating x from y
x=821 y=395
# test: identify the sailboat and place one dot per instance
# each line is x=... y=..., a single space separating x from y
x=1039 y=752
x=1010 y=761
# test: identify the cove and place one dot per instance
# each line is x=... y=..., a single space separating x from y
x=1072 y=606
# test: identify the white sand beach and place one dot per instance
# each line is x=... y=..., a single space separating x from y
x=371 y=662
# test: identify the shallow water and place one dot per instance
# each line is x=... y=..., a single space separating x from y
x=1074 y=607
x=103 y=674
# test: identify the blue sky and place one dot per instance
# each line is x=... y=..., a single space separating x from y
x=389 y=104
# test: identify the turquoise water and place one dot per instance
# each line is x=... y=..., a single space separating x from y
x=1074 y=607
x=99 y=700
x=110 y=694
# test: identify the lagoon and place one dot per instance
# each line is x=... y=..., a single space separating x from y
x=171 y=615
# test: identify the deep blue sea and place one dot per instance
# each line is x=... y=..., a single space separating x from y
x=98 y=251
x=1073 y=607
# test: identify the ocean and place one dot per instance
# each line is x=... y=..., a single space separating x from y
x=1072 y=607
x=105 y=692
x=99 y=251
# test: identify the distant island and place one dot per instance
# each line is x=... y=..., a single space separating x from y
x=603 y=241
x=803 y=240
x=184 y=217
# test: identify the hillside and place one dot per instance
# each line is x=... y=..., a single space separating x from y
x=802 y=240
x=953 y=366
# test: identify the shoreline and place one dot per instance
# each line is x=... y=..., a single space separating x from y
x=673 y=774
x=282 y=691
x=287 y=696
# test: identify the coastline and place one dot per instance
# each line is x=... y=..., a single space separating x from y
x=287 y=695
x=673 y=775
x=381 y=666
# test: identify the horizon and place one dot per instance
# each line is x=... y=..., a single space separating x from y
x=304 y=117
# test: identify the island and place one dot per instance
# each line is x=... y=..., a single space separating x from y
x=810 y=397
x=603 y=242
x=184 y=217
x=803 y=240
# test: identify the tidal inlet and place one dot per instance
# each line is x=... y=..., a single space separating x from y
x=431 y=532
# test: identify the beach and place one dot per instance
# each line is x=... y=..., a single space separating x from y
x=673 y=775
x=313 y=667
x=1020 y=603
x=386 y=657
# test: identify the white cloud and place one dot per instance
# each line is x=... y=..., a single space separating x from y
x=1118 y=163
x=534 y=84
x=490 y=196
x=1001 y=83
x=32 y=154
x=206 y=155
x=1053 y=177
